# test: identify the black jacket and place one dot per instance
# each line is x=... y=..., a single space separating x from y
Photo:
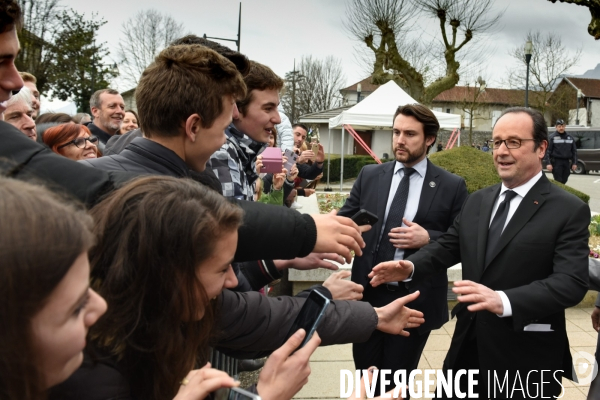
x=144 y=156
x=24 y=159
x=117 y=143
x=561 y=147
x=102 y=136
x=253 y=325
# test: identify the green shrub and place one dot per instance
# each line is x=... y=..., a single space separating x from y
x=352 y=166
x=477 y=168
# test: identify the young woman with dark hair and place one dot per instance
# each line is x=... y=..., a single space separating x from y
x=46 y=305
x=163 y=255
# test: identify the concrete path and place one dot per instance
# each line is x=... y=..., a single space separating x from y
x=326 y=362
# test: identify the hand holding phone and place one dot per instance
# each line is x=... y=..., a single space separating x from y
x=310 y=315
x=364 y=217
x=284 y=373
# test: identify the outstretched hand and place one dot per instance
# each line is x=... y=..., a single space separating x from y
x=342 y=289
x=337 y=235
x=390 y=271
x=483 y=297
x=395 y=317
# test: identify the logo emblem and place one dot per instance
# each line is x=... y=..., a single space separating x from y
x=432 y=184
x=585 y=367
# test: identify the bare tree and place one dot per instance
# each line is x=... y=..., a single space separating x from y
x=550 y=61
x=472 y=102
x=382 y=25
x=313 y=86
x=145 y=35
x=40 y=26
x=594 y=7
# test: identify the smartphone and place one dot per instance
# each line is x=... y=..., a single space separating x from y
x=233 y=393
x=315 y=148
x=364 y=217
x=291 y=160
x=310 y=316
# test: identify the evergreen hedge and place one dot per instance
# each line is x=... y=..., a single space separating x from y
x=475 y=166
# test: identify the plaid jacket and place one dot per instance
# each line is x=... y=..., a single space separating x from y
x=234 y=164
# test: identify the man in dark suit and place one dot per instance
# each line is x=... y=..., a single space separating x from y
x=523 y=245
x=434 y=198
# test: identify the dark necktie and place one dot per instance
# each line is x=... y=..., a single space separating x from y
x=386 y=249
x=498 y=225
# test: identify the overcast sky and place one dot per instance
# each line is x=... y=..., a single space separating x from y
x=274 y=32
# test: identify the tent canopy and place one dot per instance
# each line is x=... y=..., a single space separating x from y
x=377 y=110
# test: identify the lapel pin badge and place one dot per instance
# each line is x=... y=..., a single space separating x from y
x=535 y=202
x=432 y=184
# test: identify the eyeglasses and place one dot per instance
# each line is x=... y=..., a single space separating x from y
x=80 y=142
x=509 y=143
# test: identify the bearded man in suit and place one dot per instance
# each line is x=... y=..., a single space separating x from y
x=416 y=203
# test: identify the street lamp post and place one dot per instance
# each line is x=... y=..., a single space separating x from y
x=528 y=52
x=237 y=42
x=579 y=95
x=358 y=92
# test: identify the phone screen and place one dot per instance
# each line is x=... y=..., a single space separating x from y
x=291 y=160
x=310 y=315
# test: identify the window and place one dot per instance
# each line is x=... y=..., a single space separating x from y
x=495 y=115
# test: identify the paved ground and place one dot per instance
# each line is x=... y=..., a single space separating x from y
x=326 y=362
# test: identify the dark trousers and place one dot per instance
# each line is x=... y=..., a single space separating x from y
x=469 y=358
x=391 y=352
x=561 y=169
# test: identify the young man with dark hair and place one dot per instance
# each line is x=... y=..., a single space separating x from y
x=256 y=116
x=416 y=202
x=253 y=122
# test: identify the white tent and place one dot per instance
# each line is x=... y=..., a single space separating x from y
x=377 y=110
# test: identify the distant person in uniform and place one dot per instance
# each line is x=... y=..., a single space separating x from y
x=561 y=156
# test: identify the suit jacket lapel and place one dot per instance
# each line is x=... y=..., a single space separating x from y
x=427 y=192
x=485 y=215
x=533 y=200
x=384 y=184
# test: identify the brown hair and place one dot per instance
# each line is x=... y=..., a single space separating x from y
x=27 y=77
x=260 y=77
x=424 y=115
x=152 y=235
x=185 y=80
x=10 y=15
x=41 y=236
x=242 y=63
x=58 y=135
x=53 y=117
x=134 y=113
